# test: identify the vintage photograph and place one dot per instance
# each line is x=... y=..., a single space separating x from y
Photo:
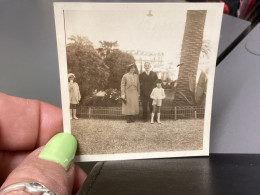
x=137 y=78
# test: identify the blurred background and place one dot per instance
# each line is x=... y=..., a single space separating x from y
x=244 y=9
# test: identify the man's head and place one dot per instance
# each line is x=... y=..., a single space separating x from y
x=147 y=66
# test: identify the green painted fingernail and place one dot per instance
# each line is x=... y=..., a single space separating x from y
x=61 y=149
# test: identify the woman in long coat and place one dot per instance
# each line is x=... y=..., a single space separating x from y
x=130 y=91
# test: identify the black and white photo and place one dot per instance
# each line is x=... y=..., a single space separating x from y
x=137 y=78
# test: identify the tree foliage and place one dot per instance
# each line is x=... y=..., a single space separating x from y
x=117 y=61
x=87 y=65
x=106 y=47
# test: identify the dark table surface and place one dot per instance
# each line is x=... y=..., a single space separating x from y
x=219 y=174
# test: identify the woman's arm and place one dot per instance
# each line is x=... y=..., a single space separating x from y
x=152 y=95
x=76 y=91
x=163 y=94
x=79 y=95
x=138 y=85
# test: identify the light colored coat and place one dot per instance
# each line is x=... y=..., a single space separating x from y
x=130 y=90
x=74 y=93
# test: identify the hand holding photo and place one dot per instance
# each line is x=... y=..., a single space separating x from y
x=137 y=78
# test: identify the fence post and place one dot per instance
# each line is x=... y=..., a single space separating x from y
x=89 y=112
x=175 y=113
x=195 y=113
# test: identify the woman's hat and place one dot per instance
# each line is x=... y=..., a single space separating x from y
x=130 y=66
x=71 y=75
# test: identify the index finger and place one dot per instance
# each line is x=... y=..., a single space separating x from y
x=26 y=124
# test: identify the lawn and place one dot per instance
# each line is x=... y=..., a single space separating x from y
x=98 y=136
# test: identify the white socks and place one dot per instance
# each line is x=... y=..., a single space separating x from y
x=158 y=118
x=152 y=116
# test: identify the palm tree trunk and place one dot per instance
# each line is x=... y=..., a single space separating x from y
x=190 y=54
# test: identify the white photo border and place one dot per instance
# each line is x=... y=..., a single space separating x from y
x=216 y=9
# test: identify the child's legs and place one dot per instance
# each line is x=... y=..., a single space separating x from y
x=158 y=109
x=154 y=108
x=159 y=114
x=74 y=112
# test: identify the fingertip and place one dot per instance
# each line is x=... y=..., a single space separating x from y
x=61 y=149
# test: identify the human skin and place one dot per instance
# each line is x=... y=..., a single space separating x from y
x=25 y=126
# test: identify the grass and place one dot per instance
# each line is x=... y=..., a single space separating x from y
x=98 y=136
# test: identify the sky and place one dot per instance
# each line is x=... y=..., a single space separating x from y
x=134 y=30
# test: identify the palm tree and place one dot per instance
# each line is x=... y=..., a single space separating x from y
x=190 y=54
x=106 y=47
x=80 y=40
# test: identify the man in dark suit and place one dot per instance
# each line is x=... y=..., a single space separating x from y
x=147 y=83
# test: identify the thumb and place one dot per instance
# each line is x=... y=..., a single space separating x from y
x=49 y=166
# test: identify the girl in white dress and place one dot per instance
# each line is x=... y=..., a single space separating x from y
x=157 y=95
x=74 y=95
